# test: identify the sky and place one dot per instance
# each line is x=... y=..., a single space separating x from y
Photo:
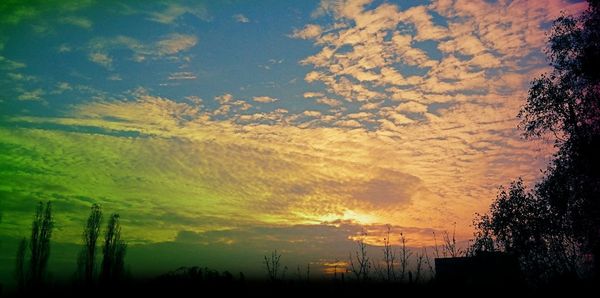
x=221 y=130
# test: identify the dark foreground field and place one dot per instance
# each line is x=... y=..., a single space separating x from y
x=224 y=287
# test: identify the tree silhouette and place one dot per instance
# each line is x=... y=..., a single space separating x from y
x=566 y=103
x=273 y=266
x=523 y=224
x=405 y=255
x=450 y=246
x=389 y=256
x=113 y=253
x=41 y=232
x=360 y=264
x=553 y=225
x=87 y=257
x=20 y=270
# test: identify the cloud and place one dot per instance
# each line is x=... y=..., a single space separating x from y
x=385 y=192
x=240 y=18
x=310 y=113
x=171 y=12
x=329 y=101
x=512 y=29
x=64 y=48
x=78 y=21
x=176 y=43
x=33 y=95
x=101 y=59
x=293 y=186
x=114 y=77
x=348 y=123
x=370 y=61
x=182 y=75
x=412 y=107
x=225 y=98
x=309 y=31
x=169 y=46
x=422 y=20
x=8 y=64
x=312 y=94
x=264 y=99
x=364 y=48
x=370 y=106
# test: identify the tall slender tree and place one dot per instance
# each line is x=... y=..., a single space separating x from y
x=389 y=256
x=113 y=252
x=41 y=232
x=20 y=270
x=87 y=257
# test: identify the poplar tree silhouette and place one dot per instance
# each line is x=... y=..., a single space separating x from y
x=113 y=252
x=41 y=232
x=87 y=257
x=20 y=270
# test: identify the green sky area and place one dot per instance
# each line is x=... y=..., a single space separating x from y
x=170 y=214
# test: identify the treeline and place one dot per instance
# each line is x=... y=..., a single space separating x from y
x=33 y=253
x=32 y=257
x=395 y=264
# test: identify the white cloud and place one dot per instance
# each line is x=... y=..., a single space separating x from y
x=240 y=18
x=182 y=75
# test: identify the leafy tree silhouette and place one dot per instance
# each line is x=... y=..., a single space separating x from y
x=113 y=252
x=87 y=257
x=552 y=226
x=521 y=223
